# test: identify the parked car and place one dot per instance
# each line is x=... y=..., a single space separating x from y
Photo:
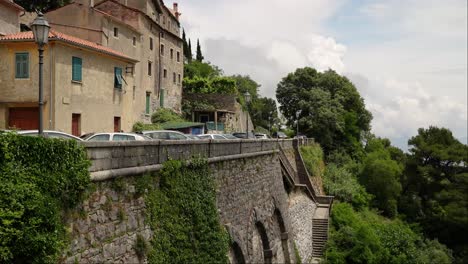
x=229 y=136
x=243 y=135
x=48 y=134
x=261 y=136
x=280 y=135
x=192 y=137
x=212 y=136
x=166 y=135
x=118 y=136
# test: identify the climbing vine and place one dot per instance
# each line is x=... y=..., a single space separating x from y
x=40 y=179
x=183 y=215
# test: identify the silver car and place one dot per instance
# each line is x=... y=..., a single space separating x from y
x=48 y=134
x=166 y=135
x=118 y=136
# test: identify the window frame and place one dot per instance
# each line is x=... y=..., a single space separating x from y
x=21 y=74
x=74 y=69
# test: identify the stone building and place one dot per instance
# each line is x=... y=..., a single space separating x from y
x=145 y=30
x=9 y=17
x=87 y=87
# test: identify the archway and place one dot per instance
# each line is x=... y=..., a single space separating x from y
x=236 y=255
x=284 y=236
x=267 y=252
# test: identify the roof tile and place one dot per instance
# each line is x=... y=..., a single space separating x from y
x=54 y=35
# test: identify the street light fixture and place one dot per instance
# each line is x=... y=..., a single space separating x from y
x=247 y=98
x=40 y=28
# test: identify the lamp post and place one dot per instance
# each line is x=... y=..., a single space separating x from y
x=247 y=101
x=40 y=28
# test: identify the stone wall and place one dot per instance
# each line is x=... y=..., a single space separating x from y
x=105 y=227
x=262 y=218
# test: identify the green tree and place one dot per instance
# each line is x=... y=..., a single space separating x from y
x=435 y=187
x=189 y=51
x=165 y=115
x=201 y=69
x=43 y=5
x=199 y=52
x=332 y=111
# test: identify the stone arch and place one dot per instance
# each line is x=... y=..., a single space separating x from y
x=267 y=252
x=284 y=235
x=236 y=251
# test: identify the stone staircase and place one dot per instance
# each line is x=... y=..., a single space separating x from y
x=319 y=236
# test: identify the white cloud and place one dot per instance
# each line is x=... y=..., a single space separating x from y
x=325 y=53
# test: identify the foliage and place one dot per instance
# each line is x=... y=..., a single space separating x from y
x=141 y=247
x=341 y=183
x=296 y=253
x=140 y=126
x=262 y=130
x=313 y=159
x=264 y=112
x=43 y=5
x=40 y=178
x=182 y=213
x=435 y=188
x=366 y=237
x=201 y=69
x=333 y=112
x=218 y=85
x=165 y=115
x=185 y=46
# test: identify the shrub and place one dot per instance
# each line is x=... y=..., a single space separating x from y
x=313 y=159
x=165 y=115
x=40 y=179
x=139 y=127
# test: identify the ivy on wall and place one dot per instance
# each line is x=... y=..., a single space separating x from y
x=40 y=178
x=183 y=215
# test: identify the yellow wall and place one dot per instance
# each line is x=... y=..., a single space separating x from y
x=9 y=20
x=95 y=98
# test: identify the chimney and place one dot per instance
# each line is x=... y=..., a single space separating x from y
x=91 y=3
x=175 y=7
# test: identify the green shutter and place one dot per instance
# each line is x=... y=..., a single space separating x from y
x=118 y=77
x=76 y=69
x=148 y=103
x=22 y=65
x=161 y=98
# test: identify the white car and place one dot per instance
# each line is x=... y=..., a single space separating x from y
x=166 y=135
x=48 y=134
x=261 y=136
x=211 y=136
x=115 y=137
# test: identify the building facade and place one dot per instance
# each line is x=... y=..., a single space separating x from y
x=86 y=86
x=145 y=30
x=9 y=17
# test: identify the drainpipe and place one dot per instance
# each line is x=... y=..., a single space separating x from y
x=160 y=69
x=51 y=92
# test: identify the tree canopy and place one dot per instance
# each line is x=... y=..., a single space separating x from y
x=42 y=5
x=332 y=111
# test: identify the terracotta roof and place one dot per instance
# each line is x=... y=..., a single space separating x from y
x=54 y=35
x=12 y=4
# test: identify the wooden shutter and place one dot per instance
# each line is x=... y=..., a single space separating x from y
x=22 y=65
x=76 y=69
x=118 y=77
x=148 y=97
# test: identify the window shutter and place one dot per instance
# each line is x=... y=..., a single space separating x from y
x=161 y=98
x=118 y=77
x=22 y=65
x=148 y=103
x=76 y=69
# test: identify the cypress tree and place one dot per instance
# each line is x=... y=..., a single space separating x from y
x=185 y=45
x=189 y=51
x=199 y=53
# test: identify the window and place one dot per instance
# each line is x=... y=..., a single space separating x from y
x=164 y=19
x=161 y=98
x=116 y=32
x=118 y=79
x=176 y=136
x=22 y=65
x=148 y=99
x=165 y=73
x=161 y=34
x=151 y=43
x=174 y=77
x=76 y=69
x=162 y=49
x=102 y=137
x=178 y=56
x=134 y=41
x=123 y=138
x=149 y=68
x=169 y=24
x=178 y=78
x=172 y=54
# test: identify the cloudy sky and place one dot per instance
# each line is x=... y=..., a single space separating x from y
x=408 y=58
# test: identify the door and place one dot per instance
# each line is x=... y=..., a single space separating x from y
x=116 y=123
x=23 y=118
x=76 y=124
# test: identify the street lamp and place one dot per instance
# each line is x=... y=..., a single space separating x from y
x=40 y=28
x=247 y=101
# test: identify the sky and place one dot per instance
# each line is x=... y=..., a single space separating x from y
x=407 y=58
